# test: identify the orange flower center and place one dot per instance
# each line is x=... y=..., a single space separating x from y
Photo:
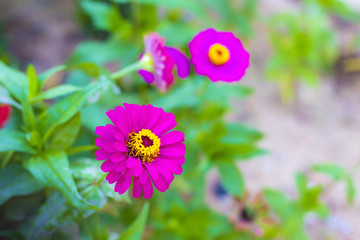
x=218 y=54
x=144 y=145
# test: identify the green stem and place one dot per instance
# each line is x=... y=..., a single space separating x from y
x=128 y=69
x=79 y=149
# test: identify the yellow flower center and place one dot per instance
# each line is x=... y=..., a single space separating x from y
x=218 y=54
x=144 y=145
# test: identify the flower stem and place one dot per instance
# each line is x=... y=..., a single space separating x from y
x=128 y=69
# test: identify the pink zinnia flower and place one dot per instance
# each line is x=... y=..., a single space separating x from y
x=141 y=147
x=5 y=113
x=160 y=61
x=218 y=55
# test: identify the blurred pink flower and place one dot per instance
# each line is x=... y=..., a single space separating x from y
x=140 y=146
x=218 y=55
x=5 y=113
x=159 y=61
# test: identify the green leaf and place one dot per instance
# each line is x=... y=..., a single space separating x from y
x=350 y=189
x=28 y=116
x=92 y=229
x=335 y=171
x=33 y=138
x=108 y=190
x=120 y=1
x=193 y=6
x=11 y=140
x=94 y=195
x=14 y=81
x=136 y=229
x=240 y=134
x=33 y=81
x=52 y=168
x=55 y=92
x=279 y=203
x=48 y=216
x=86 y=168
x=17 y=181
x=91 y=69
x=43 y=77
x=223 y=92
x=65 y=109
x=7 y=99
x=105 y=52
x=65 y=134
x=231 y=178
x=104 y=16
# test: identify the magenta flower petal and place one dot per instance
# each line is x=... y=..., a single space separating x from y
x=120 y=147
x=148 y=190
x=161 y=184
x=118 y=157
x=181 y=62
x=101 y=154
x=230 y=69
x=166 y=123
x=147 y=76
x=112 y=177
x=163 y=60
x=140 y=146
x=108 y=166
x=138 y=188
x=155 y=116
x=172 y=137
x=124 y=182
x=121 y=166
x=174 y=150
x=164 y=172
x=170 y=165
x=106 y=131
x=5 y=114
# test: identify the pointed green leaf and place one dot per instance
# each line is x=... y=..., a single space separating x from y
x=350 y=189
x=23 y=183
x=48 y=216
x=55 y=92
x=43 y=77
x=33 y=81
x=231 y=178
x=279 y=203
x=52 y=168
x=28 y=116
x=64 y=135
x=14 y=81
x=65 y=109
x=11 y=140
x=6 y=98
x=136 y=229
x=335 y=171
x=92 y=229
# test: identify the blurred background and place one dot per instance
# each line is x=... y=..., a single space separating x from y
x=305 y=70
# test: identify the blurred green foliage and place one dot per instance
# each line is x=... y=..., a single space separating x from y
x=305 y=44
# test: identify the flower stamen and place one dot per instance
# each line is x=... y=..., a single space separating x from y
x=218 y=54
x=144 y=145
